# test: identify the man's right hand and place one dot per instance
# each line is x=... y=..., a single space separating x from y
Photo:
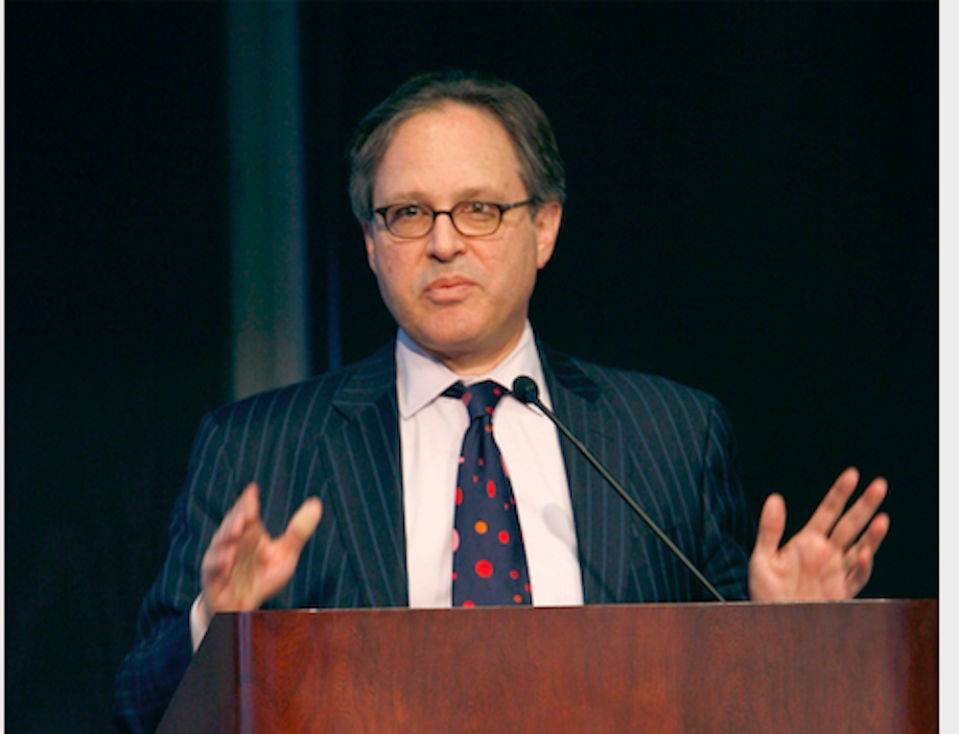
x=245 y=567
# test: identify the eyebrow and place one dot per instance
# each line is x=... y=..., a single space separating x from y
x=415 y=197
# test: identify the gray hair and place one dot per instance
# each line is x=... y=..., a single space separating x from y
x=541 y=167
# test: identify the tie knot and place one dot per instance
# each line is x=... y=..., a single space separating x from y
x=480 y=399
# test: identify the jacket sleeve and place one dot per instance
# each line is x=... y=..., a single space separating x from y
x=149 y=675
x=728 y=532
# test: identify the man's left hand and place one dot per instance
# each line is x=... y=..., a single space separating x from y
x=829 y=559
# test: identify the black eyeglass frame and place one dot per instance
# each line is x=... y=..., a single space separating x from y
x=501 y=208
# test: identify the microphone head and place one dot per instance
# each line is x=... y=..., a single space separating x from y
x=525 y=389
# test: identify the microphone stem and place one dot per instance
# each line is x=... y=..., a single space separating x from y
x=629 y=500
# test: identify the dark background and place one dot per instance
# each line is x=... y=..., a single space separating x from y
x=752 y=210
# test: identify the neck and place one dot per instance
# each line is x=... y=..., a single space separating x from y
x=475 y=362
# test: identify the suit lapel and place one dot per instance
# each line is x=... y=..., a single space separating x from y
x=364 y=455
x=602 y=524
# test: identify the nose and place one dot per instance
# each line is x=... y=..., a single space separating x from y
x=444 y=242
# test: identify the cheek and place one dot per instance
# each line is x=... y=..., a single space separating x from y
x=393 y=272
x=523 y=265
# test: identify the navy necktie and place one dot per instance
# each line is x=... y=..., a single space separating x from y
x=489 y=562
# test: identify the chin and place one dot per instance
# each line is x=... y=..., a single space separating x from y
x=453 y=344
x=451 y=329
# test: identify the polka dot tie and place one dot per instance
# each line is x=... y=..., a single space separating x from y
x=489 y=562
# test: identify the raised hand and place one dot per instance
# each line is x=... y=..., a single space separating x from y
x=828 y=559
x=244 y=567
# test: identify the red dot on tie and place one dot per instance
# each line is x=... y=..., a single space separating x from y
x=497 y=391
x=527 y=588
x=503 y=537
x=514 y=574
x=484 y=569
x=506 y=505
x=459 y=495
x=475 y=478
x=454 y=575
x=468 y=604
x=480 y=462
x=491 y=488
x=489 y=410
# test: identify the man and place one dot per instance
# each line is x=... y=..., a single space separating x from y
x=459 y=187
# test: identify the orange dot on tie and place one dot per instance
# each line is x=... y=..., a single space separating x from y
x=503 y=537
x=481 y=527
x=489 y=429
x=517 y=598
x=484 y=569
x=468 y=604
x=491 y=488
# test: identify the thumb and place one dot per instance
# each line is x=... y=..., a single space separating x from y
x=303 y=524
x=772 y=525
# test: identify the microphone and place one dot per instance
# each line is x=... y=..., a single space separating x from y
x=526 y=391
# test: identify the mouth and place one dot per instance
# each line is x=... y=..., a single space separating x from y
x=448 y=289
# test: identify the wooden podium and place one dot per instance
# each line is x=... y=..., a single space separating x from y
x=861 y=666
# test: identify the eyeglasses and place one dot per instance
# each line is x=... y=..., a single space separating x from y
x=470 y=218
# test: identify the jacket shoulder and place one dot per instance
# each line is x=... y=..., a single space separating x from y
x=622 y=387
x=355 y=382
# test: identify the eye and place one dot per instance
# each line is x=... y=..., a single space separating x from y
x=477 y=207
x=477 y=211
x=406 y=211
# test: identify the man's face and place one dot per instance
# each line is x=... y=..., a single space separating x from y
x=462 y=299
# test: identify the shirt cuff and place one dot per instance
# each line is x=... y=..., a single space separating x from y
x=199 y=624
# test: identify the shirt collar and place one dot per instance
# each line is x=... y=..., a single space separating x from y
x=421 y=377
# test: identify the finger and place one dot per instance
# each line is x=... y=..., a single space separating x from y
x=861 y=555
x=857 y=517
x=247 y=506
x=220 y=555
x=873 y=537
x=302 y=525
x=772 y=525
x=217 y=561
x=216 y=570
x=860 y=569
x=830 y=509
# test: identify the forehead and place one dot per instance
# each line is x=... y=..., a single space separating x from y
x=451 y=151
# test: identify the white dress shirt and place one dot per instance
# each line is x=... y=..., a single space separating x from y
x=432 y=428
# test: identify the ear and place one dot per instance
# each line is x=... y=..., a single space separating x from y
x=546 y=223
x=370 y=247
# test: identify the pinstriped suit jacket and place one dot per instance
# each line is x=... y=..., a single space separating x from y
x=337 y=437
